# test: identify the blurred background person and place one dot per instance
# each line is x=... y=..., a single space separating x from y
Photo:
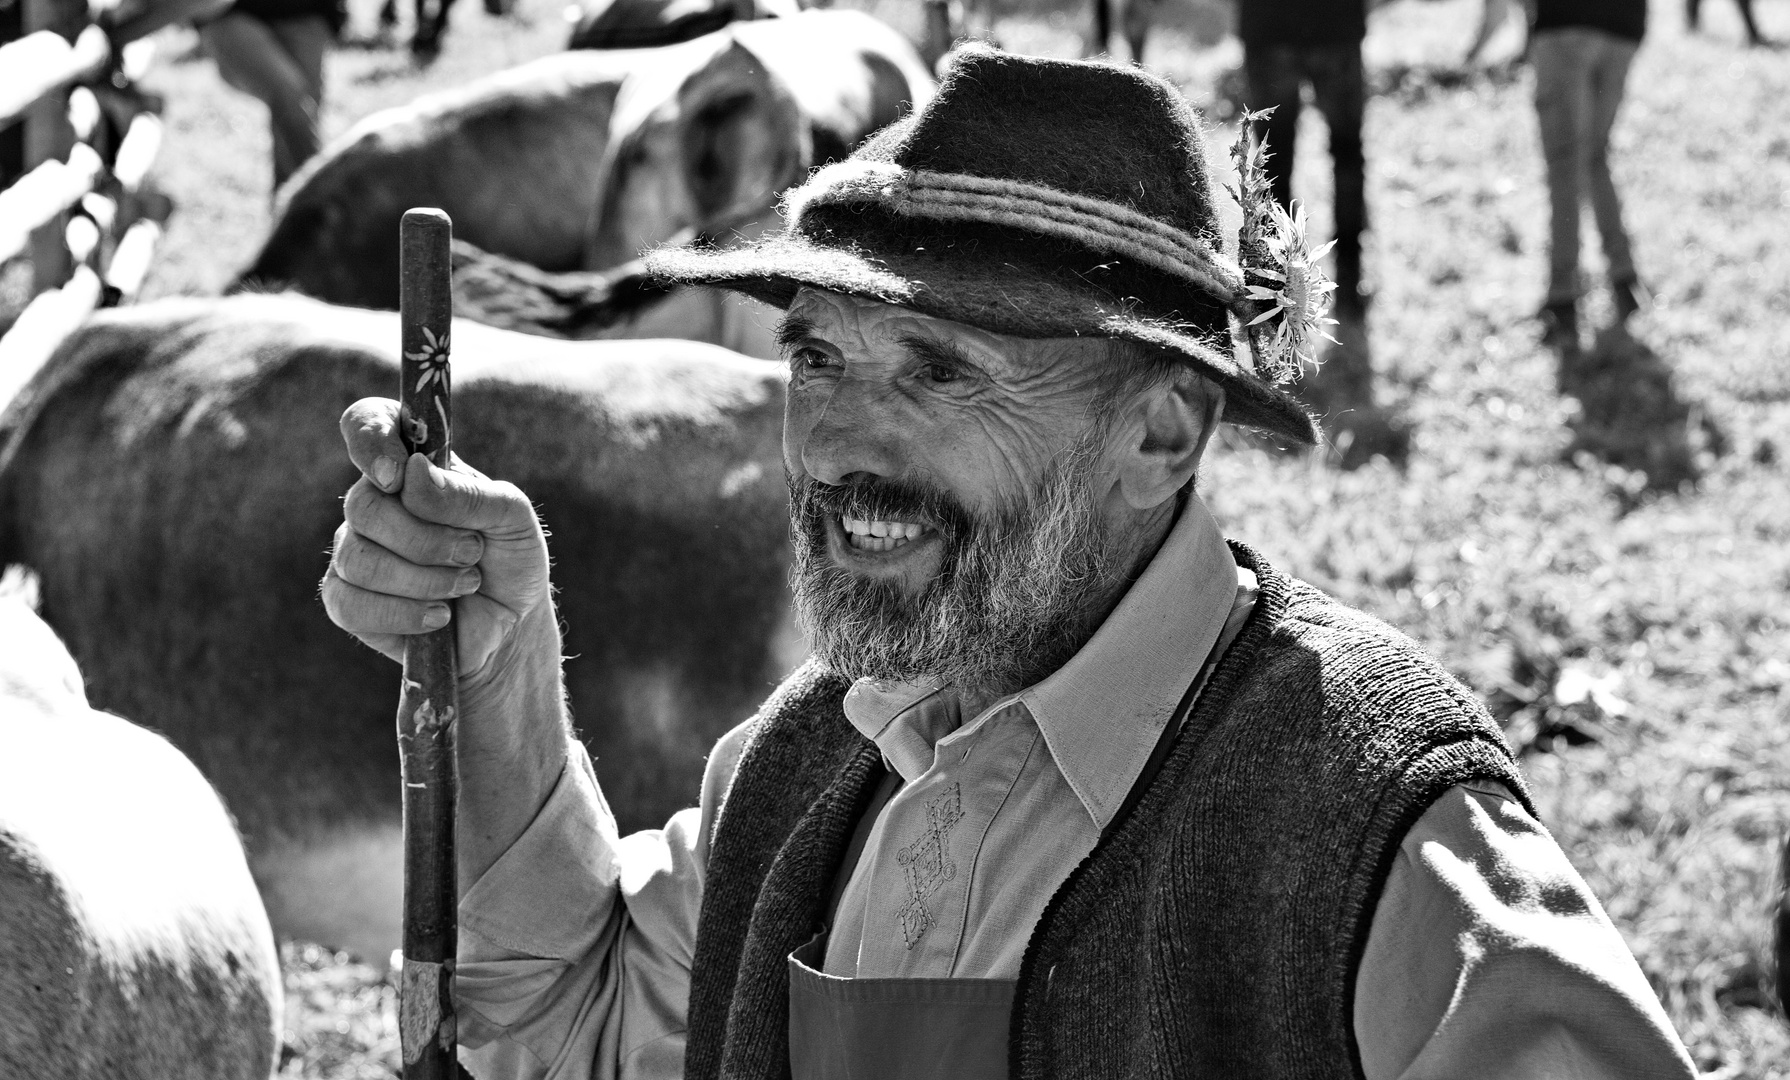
x=1288 y=44
x=1693 y=10
x=1581 y=51
x=273 y=50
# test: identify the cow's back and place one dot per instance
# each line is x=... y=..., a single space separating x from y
x=132 y=940
x=513 y=158
x=177 y=481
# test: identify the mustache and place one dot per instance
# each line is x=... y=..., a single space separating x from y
x=874 y=498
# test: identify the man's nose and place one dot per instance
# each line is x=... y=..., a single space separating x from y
x=854 y=433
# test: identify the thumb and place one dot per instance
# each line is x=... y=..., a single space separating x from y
x=465 y=500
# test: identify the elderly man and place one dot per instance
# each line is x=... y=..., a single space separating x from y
x=1072 y=786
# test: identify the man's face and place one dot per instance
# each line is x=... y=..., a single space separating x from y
x=951 y=493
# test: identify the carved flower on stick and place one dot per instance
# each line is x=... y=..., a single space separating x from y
x=432 y=380
x=433 y=357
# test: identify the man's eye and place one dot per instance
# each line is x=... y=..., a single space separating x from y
x=811 y=359
x=940 y=373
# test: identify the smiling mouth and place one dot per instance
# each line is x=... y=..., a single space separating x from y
x=877 y=536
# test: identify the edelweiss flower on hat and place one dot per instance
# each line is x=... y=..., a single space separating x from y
x=1042 y=198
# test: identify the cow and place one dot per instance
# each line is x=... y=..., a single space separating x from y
x=133 y=943
x=579 y=161
x=174 y=475
x=513 y=157
x=640 y=24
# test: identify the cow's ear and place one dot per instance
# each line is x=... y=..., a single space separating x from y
x=720 y=147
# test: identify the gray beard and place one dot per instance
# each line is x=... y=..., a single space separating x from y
x=1016 y=595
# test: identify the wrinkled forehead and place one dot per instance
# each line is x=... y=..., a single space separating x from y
x=863 y=328
x=844 y=320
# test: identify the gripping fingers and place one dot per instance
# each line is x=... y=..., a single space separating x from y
x=372 y=615
x=386 y=521
x=363 y=563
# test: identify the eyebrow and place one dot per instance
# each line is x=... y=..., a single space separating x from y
x=930 y=350
x=792 y=330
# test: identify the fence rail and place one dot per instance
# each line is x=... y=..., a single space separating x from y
x=45 y=62
x=81 y=210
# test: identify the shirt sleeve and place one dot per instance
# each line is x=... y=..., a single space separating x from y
x=575 y=946
x=1489 y=957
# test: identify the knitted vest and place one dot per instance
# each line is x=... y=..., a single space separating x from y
x=1216 y=932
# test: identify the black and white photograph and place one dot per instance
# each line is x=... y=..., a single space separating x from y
x=894 y=539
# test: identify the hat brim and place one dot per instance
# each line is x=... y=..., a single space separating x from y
x=1005 y=298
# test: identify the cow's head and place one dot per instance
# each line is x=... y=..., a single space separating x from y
x=701 y=144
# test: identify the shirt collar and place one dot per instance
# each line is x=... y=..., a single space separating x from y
x=904 y=720
x=1103 y=711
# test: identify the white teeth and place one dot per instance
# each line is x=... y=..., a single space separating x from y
x=879 y=535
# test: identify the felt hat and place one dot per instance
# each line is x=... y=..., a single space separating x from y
x=1032 y=197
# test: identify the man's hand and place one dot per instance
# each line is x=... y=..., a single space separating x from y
x=415 y=536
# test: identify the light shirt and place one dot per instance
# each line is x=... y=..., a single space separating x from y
x=1487 y=955
x=992 y=815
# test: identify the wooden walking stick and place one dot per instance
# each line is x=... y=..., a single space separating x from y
x=430 y=702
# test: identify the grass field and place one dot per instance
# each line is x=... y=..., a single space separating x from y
x=1636 y=640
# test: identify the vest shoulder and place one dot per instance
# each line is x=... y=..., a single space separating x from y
x=1355 y=659
x=1351 y=698
x=798 y=739
x=811 y=696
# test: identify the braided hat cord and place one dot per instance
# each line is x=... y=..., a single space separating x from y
x=1096 y=223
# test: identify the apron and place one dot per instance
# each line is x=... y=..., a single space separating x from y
x=890 y=1029
x=917 y=1029
x=894 y=1029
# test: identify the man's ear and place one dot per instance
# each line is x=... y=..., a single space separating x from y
x=1169 y=427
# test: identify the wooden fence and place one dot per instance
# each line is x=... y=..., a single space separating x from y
x=80 y=210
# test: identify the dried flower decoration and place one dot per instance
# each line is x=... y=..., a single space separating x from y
x=1298 y=292
x=1287 y=296
x=1254 y=192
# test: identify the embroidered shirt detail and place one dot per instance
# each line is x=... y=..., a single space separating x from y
x=928 y=863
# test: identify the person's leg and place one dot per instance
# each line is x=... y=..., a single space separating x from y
x=251 y=57
x=1753 y=36
x=1342 y=388
x=306 y=39
x=1100 y=38
x=1274 y=78
x=1134 y=21
x=1608 y=70
x=1340 y=90
x=1562 y=105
